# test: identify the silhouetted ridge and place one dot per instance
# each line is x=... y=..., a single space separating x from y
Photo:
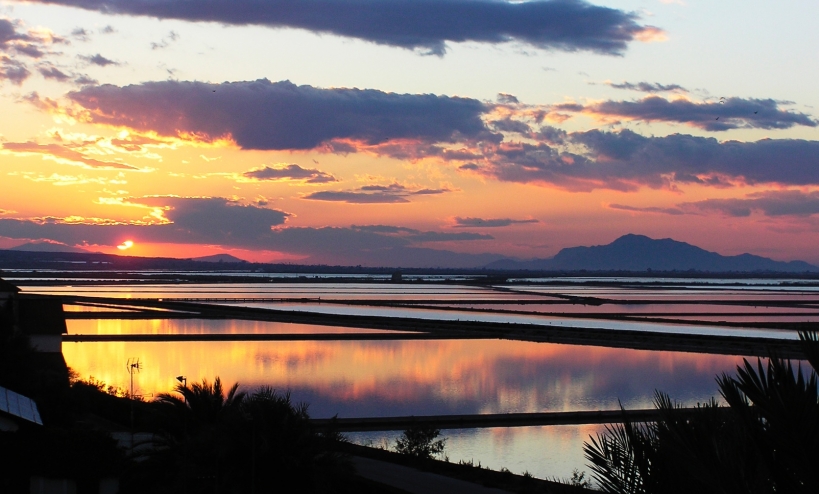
x=640 y=253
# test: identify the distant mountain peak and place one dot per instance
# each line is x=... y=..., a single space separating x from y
x=633 y=252
x=218 y=258
x=42 y=246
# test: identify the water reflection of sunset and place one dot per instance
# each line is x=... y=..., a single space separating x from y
x=416 y=377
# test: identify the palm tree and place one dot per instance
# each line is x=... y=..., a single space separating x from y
x=230 y=441
x=766 y=440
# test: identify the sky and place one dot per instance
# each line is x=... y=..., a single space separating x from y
x=417 y=133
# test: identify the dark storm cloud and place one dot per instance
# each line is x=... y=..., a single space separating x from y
x=428 y=25
x=489 y=223
x=648 y=87
x=266 y=115
x=769 y=203
x=731 y=113
x=290 y=172
x=97 y=60
x=373 y=194
x=627 y=161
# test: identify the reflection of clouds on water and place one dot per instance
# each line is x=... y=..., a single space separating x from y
x=380 y=378
x=545 y=452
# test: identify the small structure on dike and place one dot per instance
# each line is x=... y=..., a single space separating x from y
x=40 y=318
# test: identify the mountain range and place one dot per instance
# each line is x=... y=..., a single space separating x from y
x=640 y=253
x=629 y=253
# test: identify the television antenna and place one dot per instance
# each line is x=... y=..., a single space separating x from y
x=133 y=366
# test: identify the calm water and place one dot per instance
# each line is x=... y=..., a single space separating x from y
x=389 y=378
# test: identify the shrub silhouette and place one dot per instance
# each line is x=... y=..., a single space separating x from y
x=420 y=442
x=218 y=440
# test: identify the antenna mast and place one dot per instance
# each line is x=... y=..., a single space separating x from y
x=133 y=366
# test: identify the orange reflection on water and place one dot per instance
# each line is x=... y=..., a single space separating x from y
x=467 y=376
x=202 y=326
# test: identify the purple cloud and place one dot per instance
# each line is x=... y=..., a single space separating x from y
x=489 y=223
x=266 y=115
x=731 y=113
x=290 y=172
x=568 y=25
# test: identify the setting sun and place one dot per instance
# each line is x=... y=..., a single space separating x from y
x=125 y=245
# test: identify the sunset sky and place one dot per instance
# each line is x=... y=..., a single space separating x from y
x=408 y=132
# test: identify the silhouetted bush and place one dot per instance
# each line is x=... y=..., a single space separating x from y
x=765 y=441
x=420 y=442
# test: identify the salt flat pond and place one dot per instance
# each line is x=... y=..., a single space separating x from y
x=426 y=377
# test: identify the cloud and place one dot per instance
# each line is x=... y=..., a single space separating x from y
x=507 y=98
x=671 y=211
x=13 y=71
x=289 y=172
x=81 y=34
x=427 y=25
x=626 y=161
x=32 y=44
x=420 y=236
x=509 y=125
x=98 y=60
x=730 y=113
x=769 y=203
x=51 y=72
x=219 y=221
x=166 y=41
x=210 y=220
x=63 y=180
x=489 y=223
x=648 y=87
x=373 y=194
x=266 y=115
x=61 y=153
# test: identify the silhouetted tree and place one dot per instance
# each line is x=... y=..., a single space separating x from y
x=420 y=442
x=765 y=441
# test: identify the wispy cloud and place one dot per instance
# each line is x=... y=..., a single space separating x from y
x=289 y=172
x=725 y=114
x=374 y=194
x=489 y=222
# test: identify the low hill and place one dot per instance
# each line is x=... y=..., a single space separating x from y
x=47 y=247
x=640 y=253
x=218 y=258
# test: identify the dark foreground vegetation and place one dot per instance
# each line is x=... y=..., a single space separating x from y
x=765 y=441
x=202 y=439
